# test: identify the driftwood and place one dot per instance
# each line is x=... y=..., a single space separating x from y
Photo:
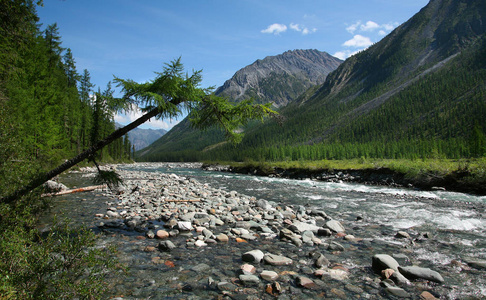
x=78 y=190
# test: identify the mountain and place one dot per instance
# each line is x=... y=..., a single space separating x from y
x=141 y=138
x=419 y=92
x=278 y=79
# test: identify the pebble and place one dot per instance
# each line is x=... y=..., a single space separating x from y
x=269 y=275
x=299 y=234
x=254 y=256
x=277 y=260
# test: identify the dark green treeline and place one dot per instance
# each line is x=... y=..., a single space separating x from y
x=52 y=108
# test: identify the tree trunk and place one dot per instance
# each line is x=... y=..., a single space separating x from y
x=41 y=178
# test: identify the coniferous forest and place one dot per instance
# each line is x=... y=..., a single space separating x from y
x=49 y=112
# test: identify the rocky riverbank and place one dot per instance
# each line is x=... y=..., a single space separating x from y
x=458 y=181
x=213 y=243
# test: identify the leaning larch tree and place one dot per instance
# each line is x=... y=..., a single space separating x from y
x=167 y=96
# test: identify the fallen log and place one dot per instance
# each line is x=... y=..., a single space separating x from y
x=78 y=190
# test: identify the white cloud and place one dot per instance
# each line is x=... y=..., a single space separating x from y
x=382 y=32
x=275 y=29
x=352 y=28
x=369 y=26
x=278 y=28
x=295 y=27
x=358 y=41
x=129 y=117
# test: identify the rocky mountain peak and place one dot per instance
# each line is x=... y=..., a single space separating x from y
x=281 y=78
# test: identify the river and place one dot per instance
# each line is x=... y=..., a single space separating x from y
x=447 y=230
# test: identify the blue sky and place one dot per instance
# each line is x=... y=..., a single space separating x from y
x=134 y=38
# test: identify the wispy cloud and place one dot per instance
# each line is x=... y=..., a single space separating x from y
x=371 y=26
x=304 y=30
x=275 y=28
x=361 y=36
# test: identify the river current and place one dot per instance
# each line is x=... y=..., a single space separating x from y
x=447 y=229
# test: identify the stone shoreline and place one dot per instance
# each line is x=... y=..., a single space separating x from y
x=275 y=250
x=375 y=176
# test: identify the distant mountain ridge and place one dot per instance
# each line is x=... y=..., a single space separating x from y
x=141 y=138
x=281 y=78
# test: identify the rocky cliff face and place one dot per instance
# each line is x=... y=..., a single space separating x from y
x=280 y=79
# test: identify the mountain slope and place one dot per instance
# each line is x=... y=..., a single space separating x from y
x=279 y=79
x=420 y=91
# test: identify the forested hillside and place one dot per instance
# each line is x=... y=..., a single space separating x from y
x=49 y=110
x=278 y=79
x=418 y=93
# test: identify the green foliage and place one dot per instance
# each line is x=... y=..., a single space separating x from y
x=63 y=263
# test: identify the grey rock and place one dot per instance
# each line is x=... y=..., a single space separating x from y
x=253 y=256
x=166 y=245
x=249 y=279
x=335 y=226
x=477 y=264
x=414 y=272
x=397 y=292
x=269 y=275
x=277 y=260
x=382 y=262
x=299 y=227
x=335 y=246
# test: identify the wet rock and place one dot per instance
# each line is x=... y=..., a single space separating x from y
x=277 y=260
x=184 y=226
x=427 y=296
x=307 y=237
x=324 y=232
x=397 y=292
x=166 y=246
x=269 y=275
x=381 y=262
x=248 y=269
x=402 y=235
x=255 y=256
x=414 y=272
x=335 y=226
x=319 y=259
x=306 y=282
x=200 y=243
x=338 y=274
x=335 y=246
x=477 y=264
x=162 y=234
x=298 y=227
x=249 y=279
x=225 y=286
x=223 y=238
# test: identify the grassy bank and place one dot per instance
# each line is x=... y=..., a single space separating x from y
x=468 y=175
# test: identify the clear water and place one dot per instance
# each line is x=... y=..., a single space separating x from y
x=455 y=222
